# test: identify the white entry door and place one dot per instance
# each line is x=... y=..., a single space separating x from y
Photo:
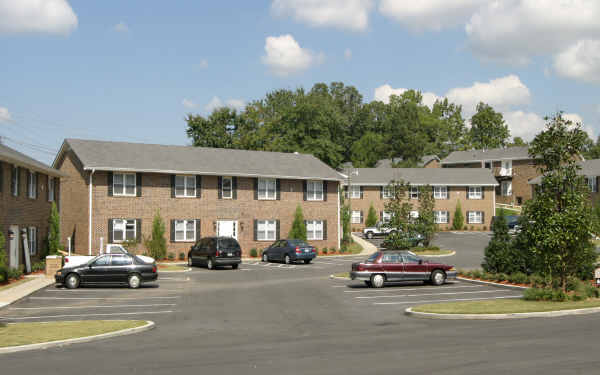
x=14 y=246
x=227 y=228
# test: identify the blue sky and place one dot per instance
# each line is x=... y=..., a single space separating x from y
x=131 y=70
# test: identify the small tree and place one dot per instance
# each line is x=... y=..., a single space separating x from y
x=53 y=231
x=496 y=257
x=399 y=208
x=2 y=250
x=371 y=217
x=345 y=219
x=458 y=221
x=157 y=244
x=298 y=230
x=425 y=224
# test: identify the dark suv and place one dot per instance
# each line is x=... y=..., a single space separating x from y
x=216 y=251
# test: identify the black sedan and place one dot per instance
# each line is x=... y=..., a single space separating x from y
x=108 y=269
x=288 y=251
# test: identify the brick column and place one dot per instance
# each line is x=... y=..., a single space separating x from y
x=53 y=264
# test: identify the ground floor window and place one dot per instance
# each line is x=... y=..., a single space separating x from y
x=441 y=217
x=475 y=217
x=32 y=240
x=356 y=217
x=386 y=216
x=506 y=188
x=266 y=230
x=314 y=229
x=123 y=230
x=185 y=230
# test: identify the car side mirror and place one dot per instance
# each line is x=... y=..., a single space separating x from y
x=420 y=261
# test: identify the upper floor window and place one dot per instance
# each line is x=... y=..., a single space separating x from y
x=475 y=192
x=185 y=186
x=124 y=184
x=440 y=192
x=124 y=230
x=314 y=229
x=387 y=192
x=354 y=191
x=314 y=190
x=32 y=186
x=267 y=188
x=414 y=192
x=506 y=169
x=185 y=230
x=14 y=181
x=227 y=187
x=51 y=188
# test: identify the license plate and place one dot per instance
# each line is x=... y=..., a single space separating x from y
x=307 y=250
x=229 y=254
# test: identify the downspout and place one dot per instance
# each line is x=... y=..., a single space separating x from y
x=338 y=216
x=90 y=216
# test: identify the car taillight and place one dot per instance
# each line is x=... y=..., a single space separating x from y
x=218 y=253
x=66 y=260
x=153 y=269
x=314 y=250
x=298 y=251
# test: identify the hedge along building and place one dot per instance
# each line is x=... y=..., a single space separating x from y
x=114 y=189
x=473 y=188
x=27 y=190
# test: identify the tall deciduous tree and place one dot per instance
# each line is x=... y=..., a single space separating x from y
x=488 y=129
x=558 y=220
x=368 y=150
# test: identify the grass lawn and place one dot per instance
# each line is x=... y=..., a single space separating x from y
x=33 y=333
x=354 y=248
x=504 y=306
x=172 y=267
x=15 y=283
x=431 y=252
x=507 y=211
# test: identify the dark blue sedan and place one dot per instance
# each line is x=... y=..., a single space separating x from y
x=288 y=251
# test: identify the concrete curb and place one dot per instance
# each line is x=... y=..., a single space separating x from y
x=186 y=270
x=338 y=278
x=491 y=283
x=46 y=281
x=546 y=314
x=51 y=344
x=438 y=256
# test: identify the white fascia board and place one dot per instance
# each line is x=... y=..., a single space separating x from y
x=387 y=183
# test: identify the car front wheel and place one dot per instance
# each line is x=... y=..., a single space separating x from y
x=209 y=264
x=286 y=259
x=72 y=281
x=306 y=261
x=265 y=257
x=234 y=266
x=438 y=277
x=377 y=281
x=190 y=262
x=369 y=235
x=135 y=281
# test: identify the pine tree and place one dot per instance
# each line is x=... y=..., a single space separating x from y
x=53 y=231
x=298 y=230
x=497 y=253
x=371 y=217
x=157 y=244
x=459 y=220
x=426 y=225
x=2 y=251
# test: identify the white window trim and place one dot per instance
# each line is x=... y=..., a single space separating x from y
x=223 y=196
x=506 y=171
x=310 y=235
x=442 y=190
x=475 y=192
x=475 y=214
x=124 y=222
x=355 y=219
x=413 y=214
x=51 y=188
x=384 y=215
x=508 y=192
x=124 y=193
x=592 y=184
x=14 y=183
x=185 y=232
x=32 y=240
x=186 y=188
x=414 y=190
x=314 y=196
x=387 y=193
x=266 y=182
x=354 y=192
x=270 y=226
x=32 y=187
x=439 y=214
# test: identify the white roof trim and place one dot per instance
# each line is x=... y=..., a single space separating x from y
x=386 y=184
x=482 y=160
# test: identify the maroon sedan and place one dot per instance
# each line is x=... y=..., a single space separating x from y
x=385 y=266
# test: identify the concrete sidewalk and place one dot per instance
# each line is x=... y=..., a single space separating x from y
x=368 y=248
x=15 y=293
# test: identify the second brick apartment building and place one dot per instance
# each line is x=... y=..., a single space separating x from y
x=112 y=190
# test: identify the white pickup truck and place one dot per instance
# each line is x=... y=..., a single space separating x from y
x=76 y=260
x=380 y=229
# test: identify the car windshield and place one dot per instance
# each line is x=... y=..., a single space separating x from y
x=299 y=243
x=228 y=244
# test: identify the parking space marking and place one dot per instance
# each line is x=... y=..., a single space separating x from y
x=443 y=300
x=90 y=298
x=80 y=315
x=90 y=307
x=369 y=290
x=433 y=294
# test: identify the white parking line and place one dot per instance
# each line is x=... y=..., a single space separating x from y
x=118 y=298
x=367 y=290
x=90 y=307
x=78 y=315
x=433 y=294
x=442 y=300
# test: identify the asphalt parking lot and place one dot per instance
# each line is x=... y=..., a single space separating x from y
x=278 y=319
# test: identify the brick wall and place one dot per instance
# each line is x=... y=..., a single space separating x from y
x=22 y=210
x=371 y=194
x=523 y=171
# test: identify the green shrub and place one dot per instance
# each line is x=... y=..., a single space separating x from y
x=171 y=256
x=458 y=219
x=253 y=253
x=537 y=281
x=501 y=277
x=592 y=291
x=15 y=273
x=157 y=244
x=182 y=256
x=476 y=274
x=371 y=217
x=559 y=296
x=488 y=276
x=324 y=251
x=332 y=250
x=3 y=274
x=298 y=230
x=519 y=278
x=38 y=266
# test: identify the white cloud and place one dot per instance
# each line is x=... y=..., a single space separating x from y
x=576 y=118
x=429 y=14
x=580 y=61
x=203 y=64
x=342 y=14
x=347 y=53
x=189 y=103
x=383 y=93
x=285 y=56
x=524 y=124
x=4 y=114
x=514 y=31
x=121 y=27
x=37 y=16
x=216 y=103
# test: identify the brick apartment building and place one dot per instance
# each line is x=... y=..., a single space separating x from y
x=511 y=166
x=590 y=169
x=113 y=190
x=473 y=188
x=27 y=190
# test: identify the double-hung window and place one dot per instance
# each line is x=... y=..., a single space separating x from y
x=354 y=191
x=185 y=186
x=124 y=184
x=441 y=217
x=32 y=240
x=14 y=182
x=267 y=188
x=314 y=229
x=356 y=217
x=314 y=190
x=185 y=230
x=32 y=188
x=51 y=187
x=123 y=230
x=414 y=192
x=266 y=230
x=414 y=214
x=387 y=192
x=227 y=187
x=592 y=183
x=386 y=216
x=440 y=192
x=475 y=217
x=475 y=192
x=506 y=188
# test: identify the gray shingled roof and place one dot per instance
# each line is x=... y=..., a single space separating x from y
x=588 y=168
x=423 y=176
x=140 y=157
x=12 y=156
x=513 y=153
x=387 y=163
x=427 y=158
